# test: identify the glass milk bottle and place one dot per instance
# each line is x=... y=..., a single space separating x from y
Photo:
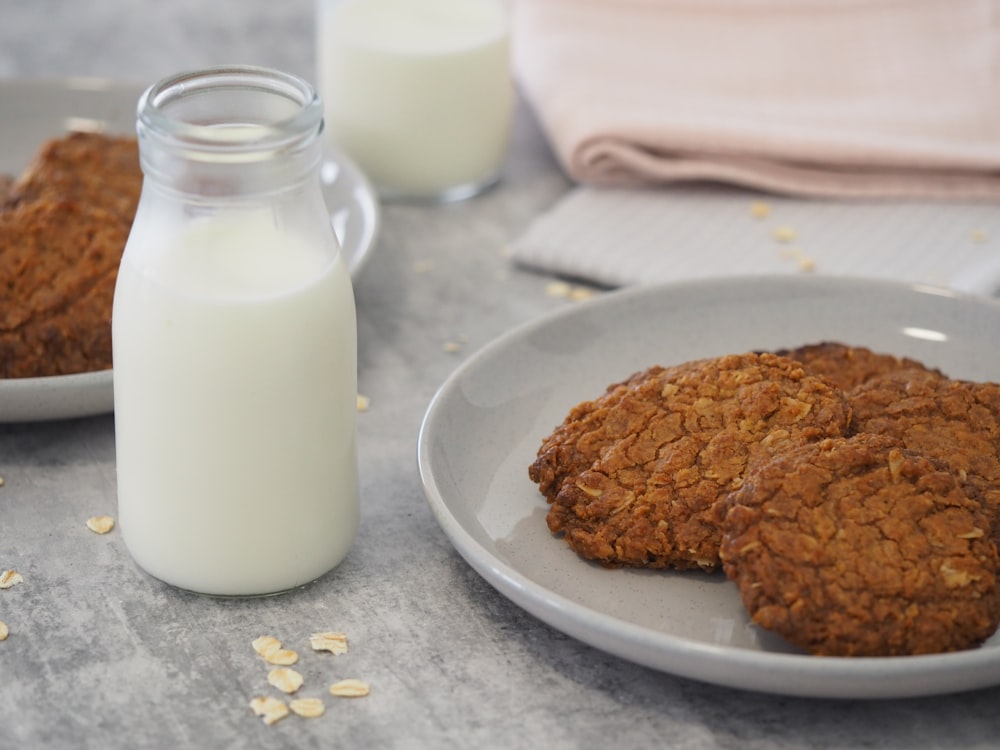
x=234 y=342
x=418 y=92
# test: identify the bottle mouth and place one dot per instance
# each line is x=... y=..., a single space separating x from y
x=237 y=113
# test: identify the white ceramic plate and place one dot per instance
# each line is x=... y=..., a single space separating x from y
x=483 y=427
x=33 y=110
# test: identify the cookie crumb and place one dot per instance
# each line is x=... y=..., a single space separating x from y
x=363 y=402
x=760 y=209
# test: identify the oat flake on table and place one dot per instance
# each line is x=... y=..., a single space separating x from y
x=10 y=578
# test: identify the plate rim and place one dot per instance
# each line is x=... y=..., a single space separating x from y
x=102 y=380
x=562 y=613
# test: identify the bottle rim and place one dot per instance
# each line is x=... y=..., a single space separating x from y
x=190 y=109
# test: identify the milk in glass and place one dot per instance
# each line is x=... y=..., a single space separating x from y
x=418 y=92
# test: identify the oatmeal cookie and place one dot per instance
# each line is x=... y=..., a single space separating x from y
x=848 y=366
x=63 y=226
x=93 y=168
x=647 y=500
x=592 y=426
x=57 y=277
x=954 y=420
x=860 y=547
x=6 y=185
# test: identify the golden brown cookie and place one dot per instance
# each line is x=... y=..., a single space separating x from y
x=592 y=426
x=848 y=366
x=954 y=420
x=859 y=547
x=58 y=265
x=647 y=500
x=6 y=185
x=63 y=226
x=93 y=168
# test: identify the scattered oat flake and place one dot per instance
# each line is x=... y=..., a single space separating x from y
x=760 y=209
x=335 y=643
x=10 y=578
x=1 y=481
x=270 y=709
x=363 y=402
x=568 y=291
x=307 y=708
x=4 y=631
x=977 y=235
x=803 y=261
x=100 y=524
x=285 y=679
x=266 y=644
x=785 y=234
x=350 y=689
x=558 y=289
x=282 y=656
x=452 y=347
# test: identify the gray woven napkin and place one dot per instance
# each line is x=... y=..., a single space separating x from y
x=621 y=237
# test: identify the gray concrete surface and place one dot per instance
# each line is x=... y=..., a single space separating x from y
x=101 y=656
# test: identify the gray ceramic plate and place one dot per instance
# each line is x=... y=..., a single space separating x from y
x=33 y=110
x=483 y=427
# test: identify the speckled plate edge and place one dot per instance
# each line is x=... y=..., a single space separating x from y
x=32 y=110
x=461 y=466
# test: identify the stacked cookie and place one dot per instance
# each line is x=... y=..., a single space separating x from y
x=851 y=495
x=63 y=225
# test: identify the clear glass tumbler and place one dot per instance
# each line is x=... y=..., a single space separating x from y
x=418 y=92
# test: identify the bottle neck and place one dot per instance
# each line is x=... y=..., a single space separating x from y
x=229 y=133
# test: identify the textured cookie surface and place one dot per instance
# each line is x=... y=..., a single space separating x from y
x=859 y=547
x=6 y=185
x=648 y=499
x=954 y=420
x=849 y=366
x=92 y=168
x=63 y=226
x=592 y=426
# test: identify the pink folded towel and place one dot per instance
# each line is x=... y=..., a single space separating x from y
x=845 y=98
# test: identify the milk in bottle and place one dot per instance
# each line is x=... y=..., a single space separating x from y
x=234 y=343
